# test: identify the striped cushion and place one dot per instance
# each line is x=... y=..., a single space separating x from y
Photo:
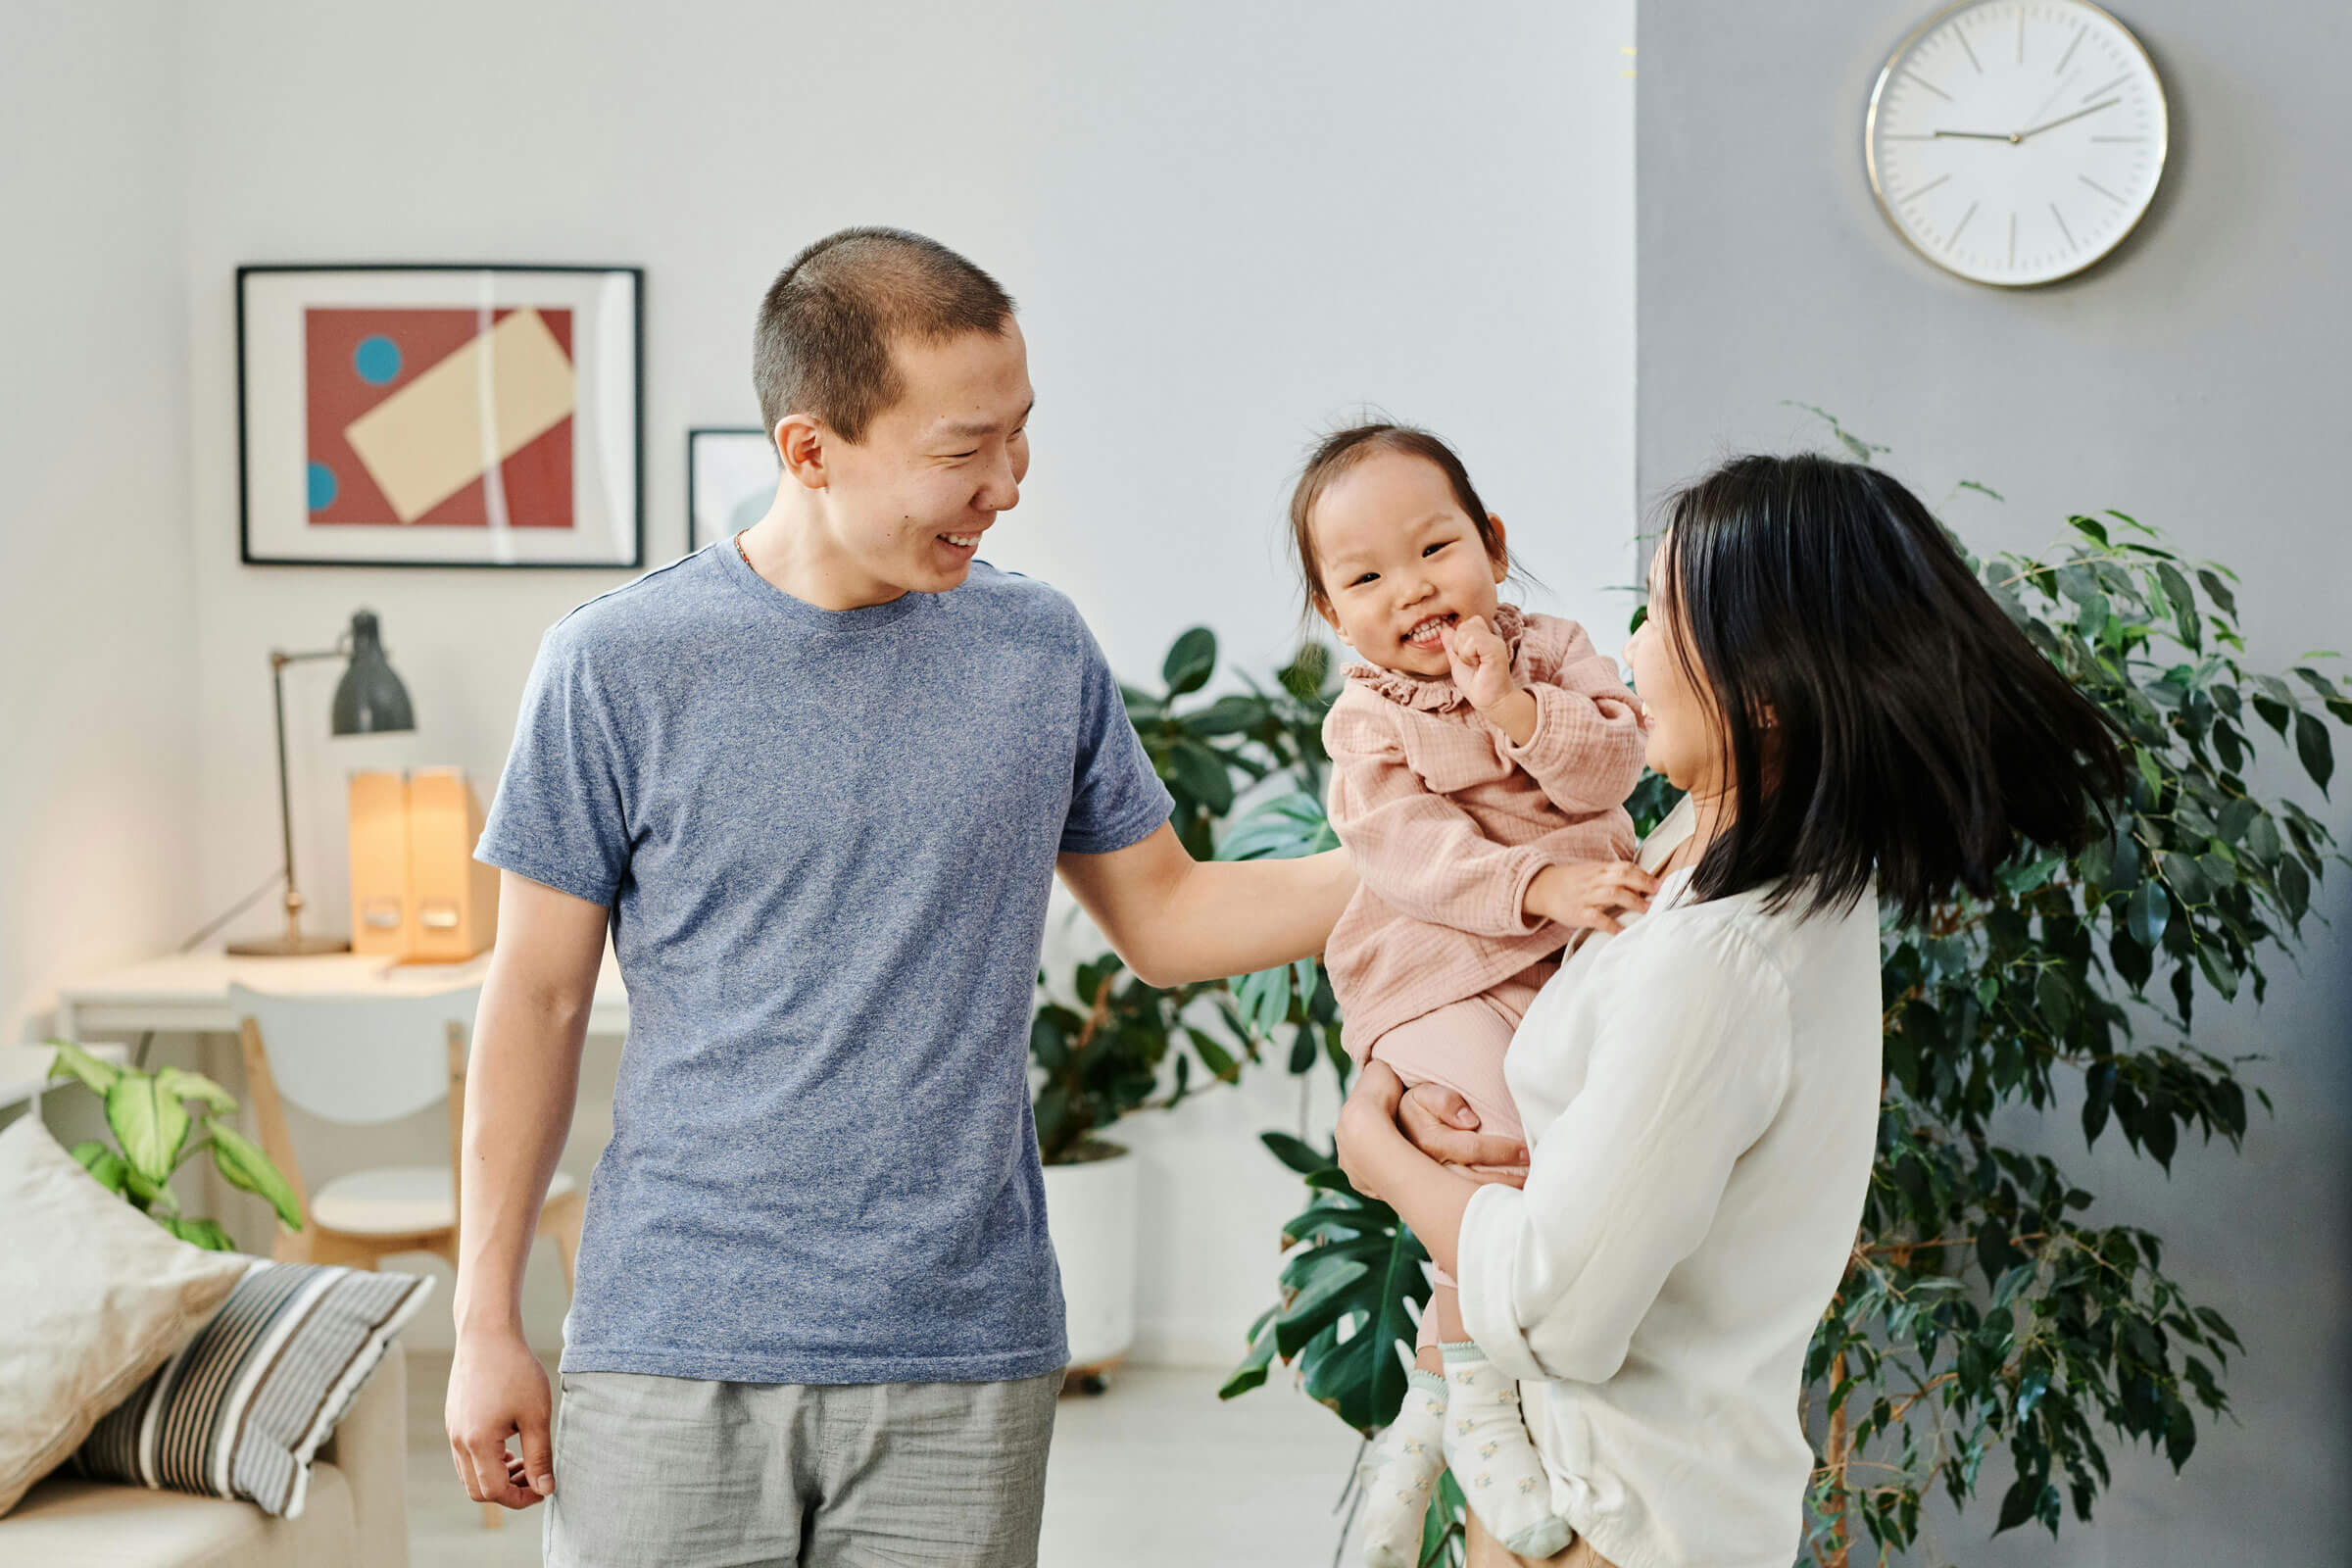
x=241 y=1411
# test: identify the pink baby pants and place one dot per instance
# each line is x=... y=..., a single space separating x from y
x=1461 y=1047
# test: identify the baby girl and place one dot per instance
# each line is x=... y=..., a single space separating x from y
x=1481 y=759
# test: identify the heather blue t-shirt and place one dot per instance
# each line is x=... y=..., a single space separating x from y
x=827 y=839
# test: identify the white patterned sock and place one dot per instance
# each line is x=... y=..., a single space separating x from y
x=1403 y=1465
x=1494 y=1460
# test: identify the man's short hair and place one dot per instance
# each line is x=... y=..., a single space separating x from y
x=822 y=345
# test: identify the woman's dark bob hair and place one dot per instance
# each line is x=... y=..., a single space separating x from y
x=1877 y=710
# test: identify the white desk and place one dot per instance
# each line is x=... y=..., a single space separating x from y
x=190 y=991
x=187 y=994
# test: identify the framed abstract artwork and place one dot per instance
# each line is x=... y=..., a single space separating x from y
x=441 y=415
x=731 y=474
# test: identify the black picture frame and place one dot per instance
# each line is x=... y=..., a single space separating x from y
x=702 y=529
x=253 y=553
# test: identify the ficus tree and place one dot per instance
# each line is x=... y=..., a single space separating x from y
x=1985 y=1307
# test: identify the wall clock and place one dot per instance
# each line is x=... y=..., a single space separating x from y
x=2016 y=142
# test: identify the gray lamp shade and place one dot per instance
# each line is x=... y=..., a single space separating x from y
x=369 y=699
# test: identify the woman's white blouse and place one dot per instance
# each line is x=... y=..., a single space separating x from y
x=1701 y=1096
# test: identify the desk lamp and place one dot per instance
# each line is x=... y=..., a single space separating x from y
x=369 y=699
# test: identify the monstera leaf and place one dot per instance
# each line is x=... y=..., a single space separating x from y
x=1348 y=1295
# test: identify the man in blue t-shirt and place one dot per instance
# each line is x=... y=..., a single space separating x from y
x=817 y=779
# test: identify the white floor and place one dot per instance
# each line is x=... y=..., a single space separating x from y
x=1154 y=1472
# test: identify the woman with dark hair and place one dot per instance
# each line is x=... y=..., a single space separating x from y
x=1851 y=719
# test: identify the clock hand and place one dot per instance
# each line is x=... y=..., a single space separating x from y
x=1980 y=136
x=2056 y=94
x=2104 y=103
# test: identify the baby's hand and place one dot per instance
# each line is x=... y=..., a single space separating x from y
x=1590 y=892
x=1482 y=665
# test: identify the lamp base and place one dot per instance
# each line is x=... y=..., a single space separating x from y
x=288 y=947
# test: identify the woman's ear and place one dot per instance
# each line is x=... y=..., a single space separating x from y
x=801 y=444
x=1497 y=553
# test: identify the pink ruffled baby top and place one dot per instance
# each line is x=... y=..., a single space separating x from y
x=1449 y=821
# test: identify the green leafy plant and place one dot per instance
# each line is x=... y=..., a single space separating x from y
x=1102 y=1041
x=1983 y=1311
x=1345 y=1295
x=149 y=1116
x=1211 y=752
x=1296 y=998
x=1103 y=1053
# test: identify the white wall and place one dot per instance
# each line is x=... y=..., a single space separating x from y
x=1226 y=225
x=2193 y=380
x=98 y=823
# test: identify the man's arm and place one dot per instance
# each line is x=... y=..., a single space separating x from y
x=520 y=1085
x=1175 y=919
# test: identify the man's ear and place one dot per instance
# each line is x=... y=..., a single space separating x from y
x=1499 y=555
x=801 y=444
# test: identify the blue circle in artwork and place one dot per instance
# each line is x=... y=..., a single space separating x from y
x=376 y=358
x=323 y=487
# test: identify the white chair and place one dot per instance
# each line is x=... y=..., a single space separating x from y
x=360 y=1060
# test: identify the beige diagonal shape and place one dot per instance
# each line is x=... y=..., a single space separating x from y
x=482 y=405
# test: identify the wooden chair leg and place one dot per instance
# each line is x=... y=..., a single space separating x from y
x=318 y=1245
x=561 y=1221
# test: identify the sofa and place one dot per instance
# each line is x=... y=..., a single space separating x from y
x=357 y=1513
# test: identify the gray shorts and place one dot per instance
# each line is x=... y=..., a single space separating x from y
x=679 y=1472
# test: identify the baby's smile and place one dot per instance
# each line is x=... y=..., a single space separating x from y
x=1426 y=634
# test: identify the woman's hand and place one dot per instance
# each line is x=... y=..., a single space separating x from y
x=1381 y=1164
x=1367 y=1125
x=1440 y=1124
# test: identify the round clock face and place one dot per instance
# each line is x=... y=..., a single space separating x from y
x=2016 y=141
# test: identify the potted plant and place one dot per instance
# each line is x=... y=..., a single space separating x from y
x=148 y=1114
x=1984 y=1310
x=1103 y=1045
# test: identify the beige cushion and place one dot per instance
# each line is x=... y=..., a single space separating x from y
x=102 y=1525
x=94 y=1295
x=396 y=1200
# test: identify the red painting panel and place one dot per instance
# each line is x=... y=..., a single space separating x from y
x=355 y=359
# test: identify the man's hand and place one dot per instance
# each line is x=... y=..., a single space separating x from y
x=1481 y=672
x=1441 y=1125
x=497 y=1389
x=1595 y=894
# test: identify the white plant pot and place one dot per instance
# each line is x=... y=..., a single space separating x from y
x=1091 y=1213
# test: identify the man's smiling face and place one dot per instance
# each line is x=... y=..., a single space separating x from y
x=910 y=503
